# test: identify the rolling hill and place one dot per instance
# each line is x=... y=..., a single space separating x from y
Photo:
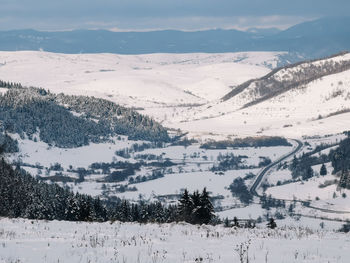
x=156 y=84
x=70 y=121
x=307 y=98
x=228 y=94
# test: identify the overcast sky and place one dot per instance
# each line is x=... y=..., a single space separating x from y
x=127 y=15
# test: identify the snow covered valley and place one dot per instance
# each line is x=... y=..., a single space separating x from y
x=264 y=142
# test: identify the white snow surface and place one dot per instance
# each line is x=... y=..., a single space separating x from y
x=298 y=112
x=142 y=80
x=184 y=90
x=160 y=85
x=30 y=241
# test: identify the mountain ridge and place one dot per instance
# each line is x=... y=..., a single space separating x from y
x=307 y=79
x=296 y=100
x=312 y=39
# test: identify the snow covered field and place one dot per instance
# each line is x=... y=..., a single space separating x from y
x=30 y=241
x=41 y=153
x=192 y=169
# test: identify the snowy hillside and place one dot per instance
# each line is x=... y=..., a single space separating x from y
x=159 y=85
x=306 y=99
x=139 y=80
x=185 y=90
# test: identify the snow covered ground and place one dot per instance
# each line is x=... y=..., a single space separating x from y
x=184 y=90
x=298 y=112
x=42 y=154
x=137 y=80
x=159 y=85
x=31 y=241
x=191 y=169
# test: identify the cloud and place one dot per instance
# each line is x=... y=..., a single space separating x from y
x=192 y=23
x=146 y=14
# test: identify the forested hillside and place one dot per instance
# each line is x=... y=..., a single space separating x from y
x=71 y=121
x=291 y=76
x=7 y=144
x=340 y=158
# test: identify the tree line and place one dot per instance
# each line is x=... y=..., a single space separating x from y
x=263 y=141
x=340 y=159
x=21 y=195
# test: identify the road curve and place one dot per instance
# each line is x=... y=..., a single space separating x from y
x=262 y=173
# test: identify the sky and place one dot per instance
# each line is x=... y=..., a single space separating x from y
x=143 y=15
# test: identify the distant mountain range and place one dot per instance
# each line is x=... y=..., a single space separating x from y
x=310 y=40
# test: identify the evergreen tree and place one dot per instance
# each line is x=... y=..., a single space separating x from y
x=185 y=207
x=196 y=205
x=340 y=157
x=125 y=212
x=272 y=224
x=196 y=208
x=226 y=222
x=308 y=173
x=206 y=210
x=235 y=222
x=240 y=190
x=159 y=213
x=294 y=164
x=323 y=170
x=135 y=213
x=344 y=181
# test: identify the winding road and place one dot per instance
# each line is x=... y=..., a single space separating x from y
x=263 y=172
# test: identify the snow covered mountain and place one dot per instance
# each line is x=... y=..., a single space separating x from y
x=302 y=99
x=231 y=94
x=142 y=80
